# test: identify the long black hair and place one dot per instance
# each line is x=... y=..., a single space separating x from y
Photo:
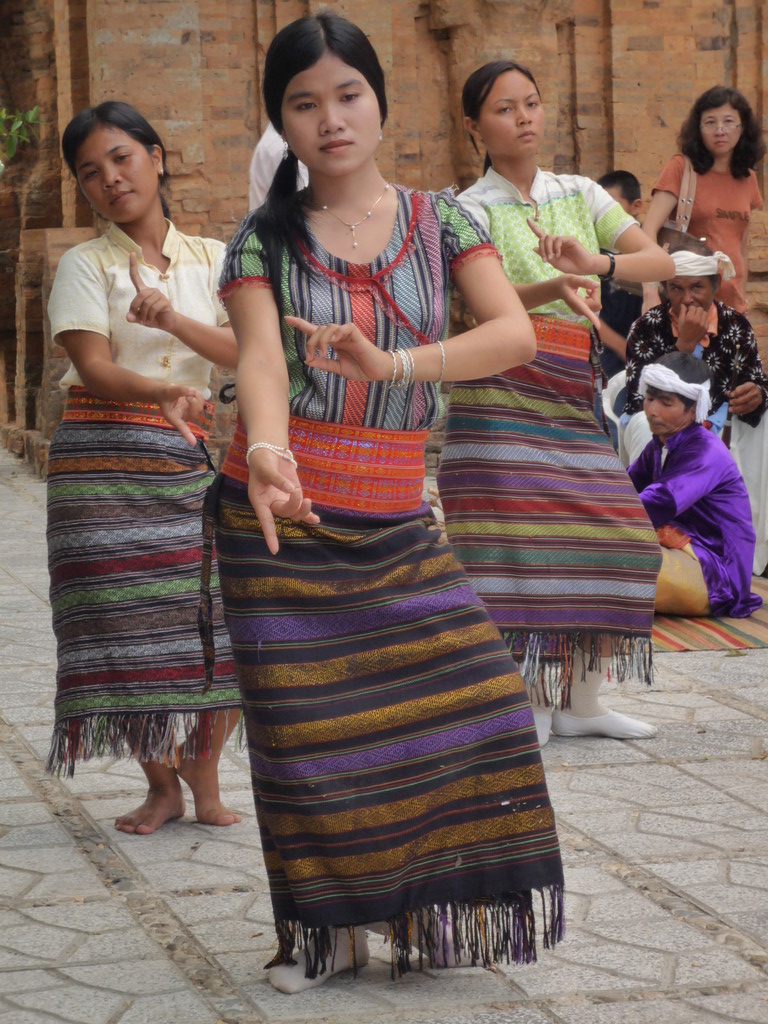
x=280 y=223
x=479 y=84
x=113 y=114
x=750 y=149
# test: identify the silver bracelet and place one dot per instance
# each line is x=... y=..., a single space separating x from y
x=411 y=366
x=406 y=369
x=284 y=453
x=394 y=367
x=442 y=363
x=406 y=363
x=402 y=381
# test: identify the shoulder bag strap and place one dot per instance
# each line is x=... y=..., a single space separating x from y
x=687 y=195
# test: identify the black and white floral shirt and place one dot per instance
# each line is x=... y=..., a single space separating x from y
x=731 y=355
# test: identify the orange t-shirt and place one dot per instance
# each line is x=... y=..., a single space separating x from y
x=722 y=208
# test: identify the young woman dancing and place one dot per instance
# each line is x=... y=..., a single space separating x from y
x=137 y=313
x=395 y=768
x=537 y=505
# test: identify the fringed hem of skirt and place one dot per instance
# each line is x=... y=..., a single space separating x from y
x=478 y=932
x=154 y=736
x=546 y=661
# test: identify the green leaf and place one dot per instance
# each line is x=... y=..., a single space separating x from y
x=10 y=146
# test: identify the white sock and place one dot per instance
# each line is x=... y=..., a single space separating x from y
x=542 y=719
x=291 y=978
x=588 y=717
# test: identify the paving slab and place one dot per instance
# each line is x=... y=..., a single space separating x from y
x=665 y=846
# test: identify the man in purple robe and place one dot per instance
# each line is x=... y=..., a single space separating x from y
x=694 y=496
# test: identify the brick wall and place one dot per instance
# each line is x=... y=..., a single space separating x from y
x=617 y=77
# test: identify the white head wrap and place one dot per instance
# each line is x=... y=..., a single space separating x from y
x=690 y=264
x=661 y=377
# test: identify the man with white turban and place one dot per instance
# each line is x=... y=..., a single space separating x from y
x=691 y=320
x=694 y=496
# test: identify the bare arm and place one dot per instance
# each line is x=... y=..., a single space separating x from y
x=745 y=253
x=660 y=210
x=216 y=344
x=613 y=340
x=639 y=258
x=504 y=335
x=262 y=399
x=92 y=358
x=565 y=287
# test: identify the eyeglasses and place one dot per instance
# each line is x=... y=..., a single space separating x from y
x=728 y=125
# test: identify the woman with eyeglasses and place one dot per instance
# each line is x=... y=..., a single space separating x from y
x=723 y=140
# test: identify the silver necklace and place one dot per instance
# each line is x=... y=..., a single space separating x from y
x=357 y=222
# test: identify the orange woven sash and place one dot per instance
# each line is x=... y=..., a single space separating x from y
x=348 y=467
x=560 y=338
x=82 y=407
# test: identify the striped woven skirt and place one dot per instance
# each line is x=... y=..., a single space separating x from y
x=543 y=516
x=125 y=500
x=395 y=767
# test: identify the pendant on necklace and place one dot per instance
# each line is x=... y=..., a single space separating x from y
x=357 y=223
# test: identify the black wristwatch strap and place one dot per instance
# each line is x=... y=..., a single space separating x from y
x=607 y=276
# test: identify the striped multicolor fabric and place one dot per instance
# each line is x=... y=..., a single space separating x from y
x=675 y=633
x=399 y=300
x=545 y=519
x=124 y=547
x=394 y=760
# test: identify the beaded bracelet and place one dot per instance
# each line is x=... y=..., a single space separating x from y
x=442 y=363
x=284 y=453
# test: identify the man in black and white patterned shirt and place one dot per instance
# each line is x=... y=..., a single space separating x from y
x=691 y=320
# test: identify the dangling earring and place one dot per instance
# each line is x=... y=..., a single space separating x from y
x=286 y=150
x=381 y=136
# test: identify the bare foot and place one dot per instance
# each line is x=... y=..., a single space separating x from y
x=202 y=776
x=160 y=806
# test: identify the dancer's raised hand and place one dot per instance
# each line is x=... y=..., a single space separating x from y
x=149 y=307
x=354 y=357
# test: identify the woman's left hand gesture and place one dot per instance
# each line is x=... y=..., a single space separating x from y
x=179 y=404
x=568 y=289
x=563 y=252
x=149 y=307
x=356 y=358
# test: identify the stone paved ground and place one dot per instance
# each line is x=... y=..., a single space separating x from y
x=665 y=844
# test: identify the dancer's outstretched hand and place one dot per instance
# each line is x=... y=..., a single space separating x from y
x=588 y=305
x=354 y=357
x=179 y=404
x=274 y=490
x=563 y=252
x=149 y=307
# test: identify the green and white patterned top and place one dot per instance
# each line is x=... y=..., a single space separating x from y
x=563 y=204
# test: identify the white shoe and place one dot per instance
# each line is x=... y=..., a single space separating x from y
x=610 y=724
x=542 y=719
x=291 y=978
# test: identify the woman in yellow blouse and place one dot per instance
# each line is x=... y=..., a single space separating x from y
x=137 y=313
